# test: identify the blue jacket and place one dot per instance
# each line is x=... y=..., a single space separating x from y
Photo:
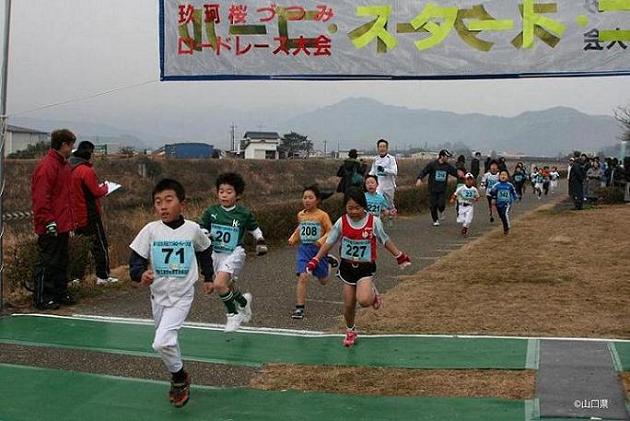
x=504 y=193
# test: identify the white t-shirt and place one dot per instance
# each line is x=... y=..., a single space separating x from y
x=488 y=181
x=387 y=177
x=466 y=194
x=171 y=253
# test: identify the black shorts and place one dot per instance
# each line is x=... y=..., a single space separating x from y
x=350 y=273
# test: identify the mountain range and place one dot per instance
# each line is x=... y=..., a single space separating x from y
x=359 y=122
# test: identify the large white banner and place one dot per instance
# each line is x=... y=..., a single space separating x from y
x=392 y=39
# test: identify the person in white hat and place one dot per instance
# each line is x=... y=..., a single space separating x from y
x=466 y=195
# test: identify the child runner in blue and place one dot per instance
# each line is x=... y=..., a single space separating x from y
x=377 y=204
x=358 y=230
x=503 y=195
x=313 y=227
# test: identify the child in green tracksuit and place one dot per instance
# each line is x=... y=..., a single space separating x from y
x=227 y=223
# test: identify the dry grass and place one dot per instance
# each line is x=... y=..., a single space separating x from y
x=504 y=384
x=561 y=273
x=625 y=378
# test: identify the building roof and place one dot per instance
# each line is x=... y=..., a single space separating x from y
x=262 y=135
x=17 y=129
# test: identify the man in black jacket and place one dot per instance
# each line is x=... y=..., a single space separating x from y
x=576 y=180
x=351 y=172
x=474 y=165
x=438 y=172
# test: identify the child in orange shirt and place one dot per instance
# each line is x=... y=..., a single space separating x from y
x=311 y=232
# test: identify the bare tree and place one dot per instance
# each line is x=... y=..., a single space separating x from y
x=622 y=115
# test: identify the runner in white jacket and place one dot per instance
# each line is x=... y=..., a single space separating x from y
x=385 y=168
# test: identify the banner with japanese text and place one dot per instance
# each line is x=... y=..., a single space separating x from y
x=397 y=39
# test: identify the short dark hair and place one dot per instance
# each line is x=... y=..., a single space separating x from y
x=61 y=136
x=370 y=176
x=84 y=150
x=352 y=153
x=314 y=188
x=477 y=153
x=231 y=179
x=357 y=195
x=378 y=142
x=169 y=184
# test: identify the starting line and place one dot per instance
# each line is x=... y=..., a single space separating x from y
x=47 y=395
x=258 y=347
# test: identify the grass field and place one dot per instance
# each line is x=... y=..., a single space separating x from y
x=558 y=273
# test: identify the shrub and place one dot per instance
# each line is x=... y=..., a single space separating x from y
x=21 y=261
x=611 y=195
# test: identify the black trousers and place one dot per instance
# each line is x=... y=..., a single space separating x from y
x=50 y=281
x=519 y=188
x=504 y=214
x=437 y=201
x=98 y=246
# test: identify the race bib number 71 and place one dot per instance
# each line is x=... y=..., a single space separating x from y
x=172 y=258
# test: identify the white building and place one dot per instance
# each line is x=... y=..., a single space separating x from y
x=425 y=155
x=261 y=145
x=18 y=138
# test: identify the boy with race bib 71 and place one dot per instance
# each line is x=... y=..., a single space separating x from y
x=171 y=246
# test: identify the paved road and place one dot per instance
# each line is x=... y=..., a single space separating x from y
x=271 y=279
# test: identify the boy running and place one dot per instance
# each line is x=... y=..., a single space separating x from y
x=171 y=247
x=227 y=223
x=466 y=195
x=488 y=181
x=503 y=195
x=554 y=176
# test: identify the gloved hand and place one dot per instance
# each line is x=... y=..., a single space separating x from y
x=403 y=260
x=261 y=248
x=207 y=234
x=380 y=169
x=51 y=229
x=312 y=264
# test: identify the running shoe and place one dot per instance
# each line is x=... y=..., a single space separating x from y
x=180 y=392
x=246 y=312
x=233 y=322
x=351 y=338
x=298 y=314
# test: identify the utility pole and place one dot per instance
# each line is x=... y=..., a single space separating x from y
x=3 y=135
x=325 y=151
x=233 y=137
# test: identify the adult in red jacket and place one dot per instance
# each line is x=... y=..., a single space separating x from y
x=53 y=219
x=86 y=192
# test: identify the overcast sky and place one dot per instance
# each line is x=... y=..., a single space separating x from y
x=72 y=48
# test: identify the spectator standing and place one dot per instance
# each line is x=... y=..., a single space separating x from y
x=593 y=181
x=86 y=194
x=474 y=165
x=53 y=220
x=577 y=175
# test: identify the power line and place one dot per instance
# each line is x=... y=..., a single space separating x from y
x=84 y=98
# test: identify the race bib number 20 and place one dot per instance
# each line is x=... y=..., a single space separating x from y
x=224 y=238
